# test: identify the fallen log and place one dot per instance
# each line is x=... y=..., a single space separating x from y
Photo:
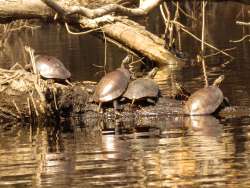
x=26 y=97
x=126 y=32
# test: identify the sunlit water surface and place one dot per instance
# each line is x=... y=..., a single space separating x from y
x=162 y=152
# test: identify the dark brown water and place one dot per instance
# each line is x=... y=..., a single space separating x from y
x=157 y=152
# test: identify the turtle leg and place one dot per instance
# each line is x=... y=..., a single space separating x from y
x=51 y=82
x=149 y=100
x=122 y=99
x=133 y=101
x=226 y=101
x=99 y=107
x=116 y=105
x=68 y=82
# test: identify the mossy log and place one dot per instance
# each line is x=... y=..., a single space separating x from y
x=25 y=96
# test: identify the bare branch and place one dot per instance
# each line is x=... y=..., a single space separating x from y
x=243 y=23
x=143 y=10
x=240 y=40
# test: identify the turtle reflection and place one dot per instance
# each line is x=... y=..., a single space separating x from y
x=205 y=125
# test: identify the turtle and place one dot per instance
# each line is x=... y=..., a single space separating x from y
x=50 y=67
x=143 y=88
x=205 y=101
x=112 y=85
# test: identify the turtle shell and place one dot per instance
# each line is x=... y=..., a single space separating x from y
x=51 y=67
x=204 y=101
x=112 y=85
x=141 y=88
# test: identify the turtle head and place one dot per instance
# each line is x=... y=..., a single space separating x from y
x=219 y=80
x=124 y=66
x=153 y=72
x=126 y=61
x=28 y=67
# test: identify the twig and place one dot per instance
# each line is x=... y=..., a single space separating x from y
x=119 y=45
x=163 y=14
x=29 y=107
x=34 y=104
x=9 y=112
x=97 y=66
x=15 y=76
x=177 y=27
x=202 y=43
x=105 y=51
x=134 y=62
x=240 y=40
x=243 y=23
x=167 y=22
x=54 y=97
x=42 y=98
x=16 y=66
x=32 y=57
x=80 y=33
x=207 y=44
x=18 y=110
x=7 y=71
x=168 y=14
x=184 y=12
x=24 y=26
x=214 y=54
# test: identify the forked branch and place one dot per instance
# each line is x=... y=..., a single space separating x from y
x=143 y=10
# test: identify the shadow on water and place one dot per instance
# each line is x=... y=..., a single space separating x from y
x=144 y=152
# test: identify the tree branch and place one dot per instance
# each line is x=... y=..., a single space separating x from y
x=143 y=10
x=126 y=32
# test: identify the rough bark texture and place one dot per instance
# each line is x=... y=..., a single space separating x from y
x=142 y=41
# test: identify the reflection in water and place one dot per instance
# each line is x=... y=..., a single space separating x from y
x=166 y=79
x=204 y=125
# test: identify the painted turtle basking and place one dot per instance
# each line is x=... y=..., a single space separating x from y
x=51 y=68
x=143 y=88
x=206 y=100
x=112 y=85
